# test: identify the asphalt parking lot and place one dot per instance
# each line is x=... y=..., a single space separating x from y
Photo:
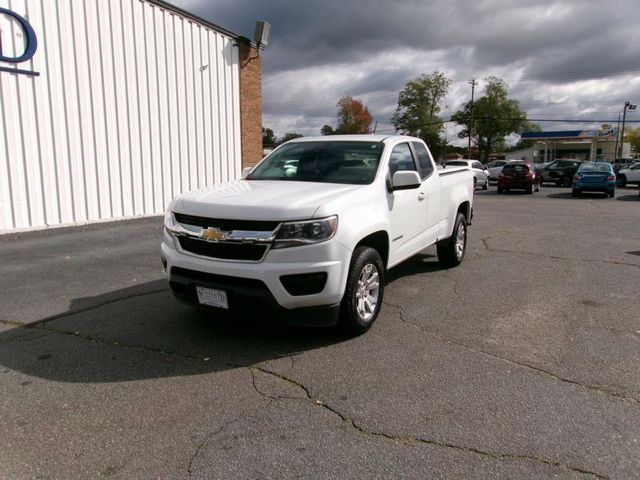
x=521 y=363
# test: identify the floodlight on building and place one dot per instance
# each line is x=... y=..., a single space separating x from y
x=261 y=35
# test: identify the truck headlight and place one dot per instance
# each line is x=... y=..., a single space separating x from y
x=169 y=222
x=292 y=234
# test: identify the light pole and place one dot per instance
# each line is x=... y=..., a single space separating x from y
x=627 y=106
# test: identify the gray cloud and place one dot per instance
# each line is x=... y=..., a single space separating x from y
x=562 y=59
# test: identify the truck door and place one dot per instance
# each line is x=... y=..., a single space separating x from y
x=407 y=218
x=431 y=192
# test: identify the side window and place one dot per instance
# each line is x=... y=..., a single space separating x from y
x=425 y=165
x=476 y=165
x=637 y=167
x=401 y=159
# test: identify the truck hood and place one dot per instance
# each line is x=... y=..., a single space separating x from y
x=260 y=200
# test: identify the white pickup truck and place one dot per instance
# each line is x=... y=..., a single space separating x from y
x=311 y=231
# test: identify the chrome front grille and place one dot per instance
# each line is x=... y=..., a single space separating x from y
x=223 y=239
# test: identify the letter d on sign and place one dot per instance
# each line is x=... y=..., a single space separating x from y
x=31 y=43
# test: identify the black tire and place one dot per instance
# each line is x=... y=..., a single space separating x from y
x=450 y=252
x=351 y=321
x=611 y=193
x=622 y=181
x=566 y=182
x=500 y=190
x=575 y=192
x=530 y=189
x=486 y=184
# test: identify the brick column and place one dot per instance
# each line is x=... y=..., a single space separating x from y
x=250 y=105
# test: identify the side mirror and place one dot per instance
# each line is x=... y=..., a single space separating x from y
x=246 y=171
x=405 y=180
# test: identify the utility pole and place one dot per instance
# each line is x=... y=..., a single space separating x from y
x=473 y=84
x=627 y=106
x=615 y=151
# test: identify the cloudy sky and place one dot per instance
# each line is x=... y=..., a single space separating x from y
x=569 y=59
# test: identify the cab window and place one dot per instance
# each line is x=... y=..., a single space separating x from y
x=425 y=165
x=401 y=159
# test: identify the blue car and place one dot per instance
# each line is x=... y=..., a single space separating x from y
x=594 y=177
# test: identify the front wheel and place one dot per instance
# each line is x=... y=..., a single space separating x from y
x=486 y=184
x=363 y=296
x=451 y=251
x=567 y=181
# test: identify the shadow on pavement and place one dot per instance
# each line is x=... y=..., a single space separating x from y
x=629 y=198
x=142 y=332
x=421 y=263
x=582 y=196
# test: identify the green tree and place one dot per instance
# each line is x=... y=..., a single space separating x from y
x=495 y=116
x=268 y=138
x=327 y=130
x=290 y=136
x=419 y=107
x=632 y=135
x=353 y=117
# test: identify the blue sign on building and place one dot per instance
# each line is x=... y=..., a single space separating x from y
x=30 y=45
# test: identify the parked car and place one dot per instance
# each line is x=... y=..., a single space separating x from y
x=518 y=176
x=311 y=231
x=480 y=172
x=623 y=163
x=560 y=172
x=594 y=177
x=630 y=174
x=495 y=168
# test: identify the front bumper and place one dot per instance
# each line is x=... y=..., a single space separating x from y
x=244 y=281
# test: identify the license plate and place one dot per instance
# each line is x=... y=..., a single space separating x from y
x=212 y=297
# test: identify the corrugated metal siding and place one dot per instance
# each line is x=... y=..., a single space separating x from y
x=134 y=105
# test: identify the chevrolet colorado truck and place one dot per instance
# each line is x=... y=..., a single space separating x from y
x=311 y=231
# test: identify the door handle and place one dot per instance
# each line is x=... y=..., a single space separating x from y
x=421 y=196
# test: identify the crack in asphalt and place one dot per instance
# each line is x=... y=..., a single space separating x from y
x=555 y=257
x=115 y=343
x=85 y=309
x=419 y=440
x=595 y=388
x=207 y=438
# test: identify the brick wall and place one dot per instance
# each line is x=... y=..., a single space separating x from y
x=250 y=104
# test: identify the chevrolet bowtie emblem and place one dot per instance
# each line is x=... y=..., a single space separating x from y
x=213 y=234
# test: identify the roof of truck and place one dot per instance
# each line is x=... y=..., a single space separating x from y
x=352 y=138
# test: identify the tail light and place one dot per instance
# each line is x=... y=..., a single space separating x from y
x=611 y=178
x=577 y=176
x=530 y=175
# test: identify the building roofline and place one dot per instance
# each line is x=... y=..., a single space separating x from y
x=169 y=6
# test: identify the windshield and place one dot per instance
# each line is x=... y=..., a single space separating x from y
x=517 y=167
x=595 y=167
x=328 y=162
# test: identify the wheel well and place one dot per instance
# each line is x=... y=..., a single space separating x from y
x=465 y=208
x=380 y=242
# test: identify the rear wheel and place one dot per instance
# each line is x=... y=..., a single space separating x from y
x=575 y=192
x=611 y=193
x=500 y=190
x=530 y=189
x=566 y=182
x=622 y=181
x=363 y=296
x=451 y=251
x=486 y=184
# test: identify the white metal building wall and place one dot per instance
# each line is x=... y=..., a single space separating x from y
x=134 y=105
